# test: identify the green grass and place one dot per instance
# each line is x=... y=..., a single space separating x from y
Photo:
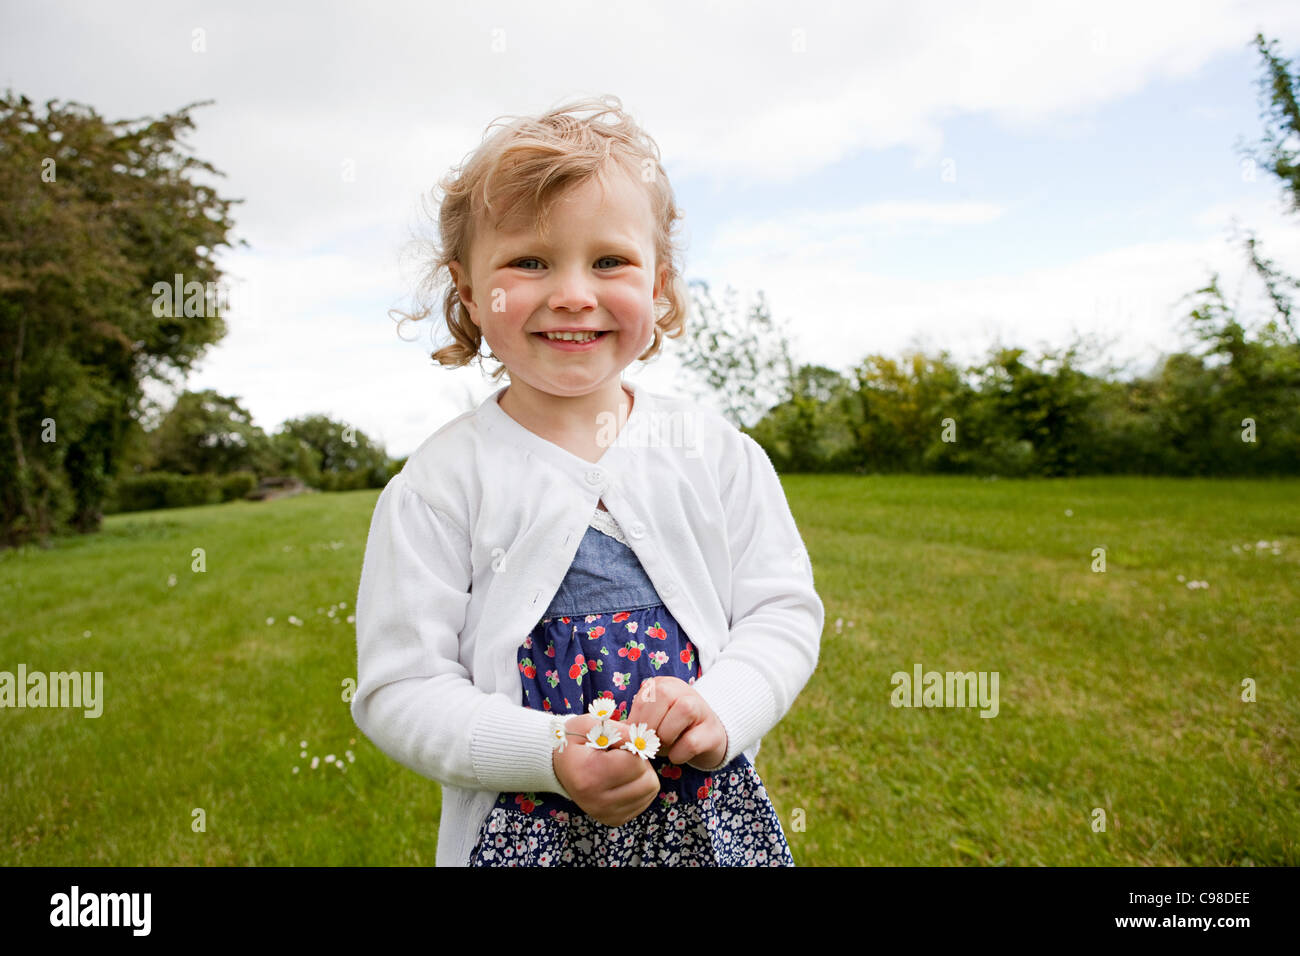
x=1118 y=690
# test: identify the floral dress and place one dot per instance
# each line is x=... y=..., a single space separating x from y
x=605 y=632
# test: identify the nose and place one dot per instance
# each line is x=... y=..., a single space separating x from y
x=572 y=292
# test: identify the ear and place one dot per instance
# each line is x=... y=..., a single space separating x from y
x=661 y=282
x=460 y=278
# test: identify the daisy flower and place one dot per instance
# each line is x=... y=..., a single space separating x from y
x=602 y=707
x=602 y=736
x=642 y=741
x=561 y=739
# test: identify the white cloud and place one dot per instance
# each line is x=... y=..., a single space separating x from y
x=809 y=228
x=841 y=311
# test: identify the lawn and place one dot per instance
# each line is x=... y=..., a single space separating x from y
x=1120 y=691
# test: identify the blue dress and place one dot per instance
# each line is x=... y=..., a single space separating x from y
x=605 y=632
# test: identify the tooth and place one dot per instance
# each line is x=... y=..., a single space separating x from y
x=571 y=336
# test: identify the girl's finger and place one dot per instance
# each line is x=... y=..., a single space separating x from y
x=690 y=745
x=648 y=706
x=681 y=717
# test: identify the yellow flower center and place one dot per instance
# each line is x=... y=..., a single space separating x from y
x=640 y=743
x=602 y=740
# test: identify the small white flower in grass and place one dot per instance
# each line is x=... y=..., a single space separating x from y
x=295 y=621
x=351 y=619
x=270 y=620
x=642 y=741
x=295 y=769
x=602 y=736
x=1181 y=578
x=1069 y=513
x=171 y=580
x=329 y=758
x=602 y=707
x=343 y=604
x=303 y=754
x=315 y=762
x=351 y=757
x=302 y=744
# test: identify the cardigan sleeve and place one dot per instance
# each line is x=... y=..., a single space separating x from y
x=776 y=616
x=414 y=699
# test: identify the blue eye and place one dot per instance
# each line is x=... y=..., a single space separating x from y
x=615 y=260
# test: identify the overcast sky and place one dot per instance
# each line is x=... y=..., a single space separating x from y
x=948 y=175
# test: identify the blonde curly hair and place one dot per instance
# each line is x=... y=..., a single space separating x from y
x=521 y=171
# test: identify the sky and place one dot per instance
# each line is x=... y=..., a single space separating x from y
x=942 y=176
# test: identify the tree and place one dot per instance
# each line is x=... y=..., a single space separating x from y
x=345 y=457
x=1255 y=380
x=1278 y=151
x=208 y=433
x=744 y=359
x=809 y=431
x=94 y=217
x=1275 y=151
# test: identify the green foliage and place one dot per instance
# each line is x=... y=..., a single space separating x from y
x=237 y=485
x=1277 y=151
x=743 y=359
x=293 y=456
x=92 y=214
x=163 y=489
x=806 y=433
x=208 y=432
x=342 y=456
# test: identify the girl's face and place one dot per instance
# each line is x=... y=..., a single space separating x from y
x=595 y=272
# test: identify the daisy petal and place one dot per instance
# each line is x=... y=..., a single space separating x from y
x=602 y=736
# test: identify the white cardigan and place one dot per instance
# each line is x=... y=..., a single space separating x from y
x=470 y=541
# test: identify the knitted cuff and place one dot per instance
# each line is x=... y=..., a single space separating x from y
x=511 y=747
x=742 y=698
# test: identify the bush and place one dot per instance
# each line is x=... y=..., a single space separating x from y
x=164 y=489
x=237 y=484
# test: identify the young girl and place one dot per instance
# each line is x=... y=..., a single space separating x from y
x=579 y=567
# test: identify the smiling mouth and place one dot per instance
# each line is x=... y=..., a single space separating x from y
x=598 y=335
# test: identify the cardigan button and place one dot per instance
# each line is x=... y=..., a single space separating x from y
x=669 y=588
x=595 y=476
x=636 y=529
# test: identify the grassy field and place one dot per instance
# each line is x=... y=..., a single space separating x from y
x=1119 y=691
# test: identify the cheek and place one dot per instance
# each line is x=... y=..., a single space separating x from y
x=630 y=302
x=507 y=303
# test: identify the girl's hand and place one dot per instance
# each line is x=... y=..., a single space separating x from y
x=611 y=786
x=689 y=731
